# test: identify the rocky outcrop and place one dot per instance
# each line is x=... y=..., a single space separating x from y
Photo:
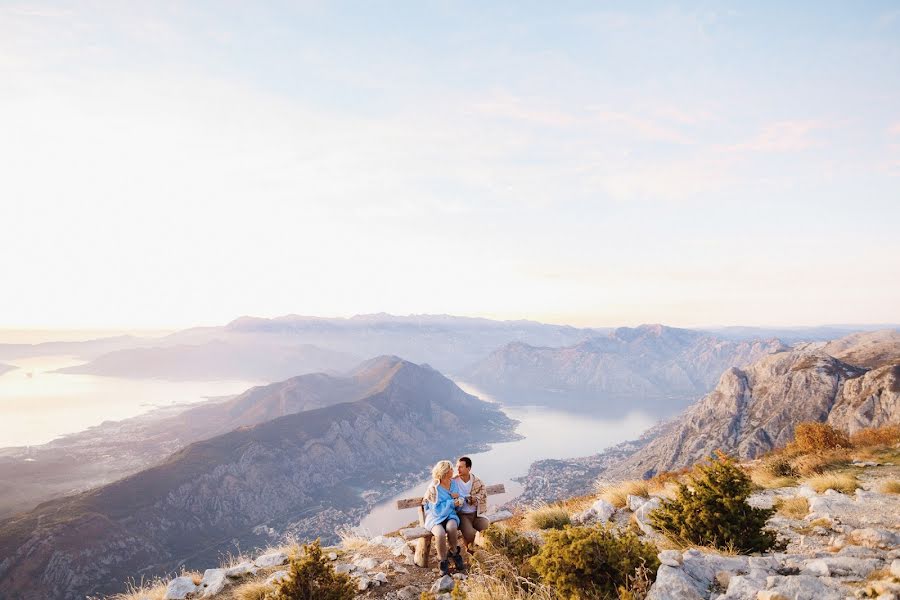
x=751 y=410
x=301 y=473
x=652 y=366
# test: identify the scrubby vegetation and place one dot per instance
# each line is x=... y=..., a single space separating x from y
x=584 y=563
x=311 y=577
x=840 y=482
x=812 y=437
x=888 y=435
x=712 y=510
x=793 y=508
x=617 y=494
x=547 y=517
x=892 y=486
x=508 y=542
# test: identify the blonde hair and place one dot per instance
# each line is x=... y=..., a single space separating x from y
x=440 y=468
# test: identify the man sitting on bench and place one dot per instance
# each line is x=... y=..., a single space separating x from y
x=474 y=492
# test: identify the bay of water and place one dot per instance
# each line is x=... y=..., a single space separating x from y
x=547 y=433
x=37 y=405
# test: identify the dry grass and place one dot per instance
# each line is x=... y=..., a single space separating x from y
x=766 y=480
x=488 y=587
x=891 y=486
x=796 y=507
x=547 y=517
x=253 y=590
x=351 y=540
x=153 y=590
x=816 y=463
x=840 y=482
x=617 y=493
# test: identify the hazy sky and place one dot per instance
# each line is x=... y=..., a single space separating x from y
x=177 y=163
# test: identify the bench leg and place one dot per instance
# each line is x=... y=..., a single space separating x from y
x=423 y=551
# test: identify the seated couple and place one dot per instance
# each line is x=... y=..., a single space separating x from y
x=451 y=506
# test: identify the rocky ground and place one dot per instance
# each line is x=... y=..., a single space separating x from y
x=845 y=546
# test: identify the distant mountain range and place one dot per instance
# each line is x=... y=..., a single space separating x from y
x=4 y=368
x=114 y=449
x=272 y=349
x=304 y=472
x=654 y=367
x=852 y=383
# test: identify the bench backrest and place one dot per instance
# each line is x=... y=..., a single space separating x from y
x=497 y=488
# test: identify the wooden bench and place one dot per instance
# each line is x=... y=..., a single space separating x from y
x=423 y=536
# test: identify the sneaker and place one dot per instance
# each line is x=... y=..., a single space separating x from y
x=458 y=561
x=445 y=567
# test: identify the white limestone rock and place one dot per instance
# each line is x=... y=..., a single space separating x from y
x=642 y=514
x=180 y=587
x=213 y=582
x=366 y=563
x=634 y=502
x=803 y=587
x=409 y=592
x=874 y=538
x=277 y=577
x=272 y=559
x=444 y=584
x=671 y=558
x=245 y=568
x=363 y=583
x=675 y=584
x=895 y=568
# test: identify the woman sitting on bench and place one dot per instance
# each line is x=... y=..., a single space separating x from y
x=440 y=502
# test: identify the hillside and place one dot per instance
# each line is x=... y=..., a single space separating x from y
x=302 y=474
x=652 y=366
x=751 y=410
x=101 y=454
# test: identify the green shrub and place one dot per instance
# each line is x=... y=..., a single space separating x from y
x=712 y=510
x=586 y=563
x=511 y=544
x=311 y=577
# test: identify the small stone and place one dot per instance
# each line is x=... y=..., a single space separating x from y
x=770 y=595
x=874 y=538
x=245 y=568
x=362 y=583
x=634 y=502
x=213 y=582
x=817 y=567
x=367 y=563
x=180 y=587
x=332 y=556
x=380 y=577
x=603 y=509
x=343 y=568
x=409 y=592
x=444 y=584
x=895 y=568
x=723 y=578
x=273 y=559
x=671 y=558
x=460 y=576
x=276 y=577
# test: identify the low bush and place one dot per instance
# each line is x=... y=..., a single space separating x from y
x=712 y=510
x=547 y=517
x=815 y=437
x=840 y=482
x=311 y=577
x=816 y=463
x=511 y=544
x=586 y=563
x=889 y=435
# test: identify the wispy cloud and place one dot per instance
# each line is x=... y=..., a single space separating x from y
x=782 y=136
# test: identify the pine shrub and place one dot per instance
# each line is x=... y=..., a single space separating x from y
x=712 y=510
x=511 y=544
x=311 y=577
x=587 y=563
